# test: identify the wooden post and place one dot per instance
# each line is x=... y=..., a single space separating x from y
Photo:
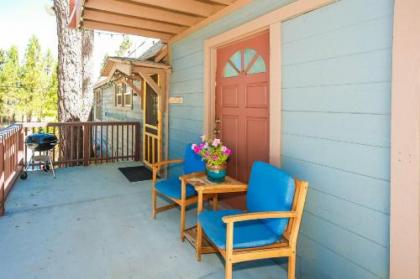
x=2 y=194
x=137 y=143
x=86 y=141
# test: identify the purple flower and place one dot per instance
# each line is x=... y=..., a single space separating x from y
x=228 y=151
x=193 y=146
x=197 y=149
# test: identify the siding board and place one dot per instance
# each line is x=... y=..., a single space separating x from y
x=314 y=257
x=355 y=158
x=337 y=16
x=367 y=129
x=341 y=42
x=352 y=98
x=348 y=186
x=361 y=68
x=362 y=221
x=354 y=248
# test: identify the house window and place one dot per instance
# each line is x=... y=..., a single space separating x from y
x=123 y=96
x=253 y=63
x=118 y=96
x=128 y=96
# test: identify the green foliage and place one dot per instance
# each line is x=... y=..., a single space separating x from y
x=28 y=91
x=125 y=46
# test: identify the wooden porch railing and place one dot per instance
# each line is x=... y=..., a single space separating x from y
x=83 y=143
x=80 y=143
x=11 y=159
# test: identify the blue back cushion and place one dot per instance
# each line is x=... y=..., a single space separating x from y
x=192 y=161
x=270 y=189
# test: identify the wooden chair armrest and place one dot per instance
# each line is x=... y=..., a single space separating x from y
x=221 y=188
x=258 y=215
x=191 y=175
x=157 y=165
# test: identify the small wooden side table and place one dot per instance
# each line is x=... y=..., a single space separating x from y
x=205 y=187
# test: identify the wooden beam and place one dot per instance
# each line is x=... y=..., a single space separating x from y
x=162 y=54
x=184 y=6
x=222 y=2
x=223 y=12
x=125 y=8
x=131 y=21
x=151 y=83
x=124 y=29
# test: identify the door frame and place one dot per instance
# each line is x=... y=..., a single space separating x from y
x=271 y=22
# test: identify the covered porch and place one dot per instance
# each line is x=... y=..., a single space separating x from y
x=91 y=222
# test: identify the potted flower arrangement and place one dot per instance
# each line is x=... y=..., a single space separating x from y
x=215 y=154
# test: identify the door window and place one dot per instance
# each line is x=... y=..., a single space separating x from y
x=253 y=63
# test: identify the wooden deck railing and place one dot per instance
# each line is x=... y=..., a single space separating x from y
x=80 y=143
x=83 y=143
x=11 y=159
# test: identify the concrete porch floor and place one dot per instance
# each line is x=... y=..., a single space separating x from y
x=91 y=222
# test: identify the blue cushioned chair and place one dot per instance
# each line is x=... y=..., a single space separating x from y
x=268 y=229
x=173 y=189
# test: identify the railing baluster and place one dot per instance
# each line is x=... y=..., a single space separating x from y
x=132 y=142
x=118 y=143
x=2 y=179
x=112 y=143
x=76 y=145
x=100 y=144
x=95 y=142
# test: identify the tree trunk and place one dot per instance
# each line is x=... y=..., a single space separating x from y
x=75 y=84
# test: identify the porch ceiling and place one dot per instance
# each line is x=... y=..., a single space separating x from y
x=162 y=19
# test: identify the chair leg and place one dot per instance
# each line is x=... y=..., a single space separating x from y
x=182 y=223
x=228 y=269
x=215 y=201
x=154 y=202
x=291 y=266
x=198 y=242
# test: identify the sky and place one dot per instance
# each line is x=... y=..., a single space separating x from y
x=20 y=19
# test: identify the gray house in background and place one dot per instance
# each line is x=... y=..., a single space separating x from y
x=134 y=89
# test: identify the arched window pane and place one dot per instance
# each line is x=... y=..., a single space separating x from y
x=236 y=60
x=230 y=71
x=248 y=56
x=258 y=67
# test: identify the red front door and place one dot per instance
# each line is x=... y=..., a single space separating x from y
x=242 y=102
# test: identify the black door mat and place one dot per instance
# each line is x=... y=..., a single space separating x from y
x=135 y=174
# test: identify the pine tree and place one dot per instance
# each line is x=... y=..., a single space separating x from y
x=9 y=84
x=125 y=46
x=30 y=98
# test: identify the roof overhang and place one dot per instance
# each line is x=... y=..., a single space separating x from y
x=126 y=65
x=162 y=19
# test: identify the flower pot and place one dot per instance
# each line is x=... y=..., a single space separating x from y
x=216 y=173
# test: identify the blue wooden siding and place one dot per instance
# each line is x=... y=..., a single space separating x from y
x=336 y=75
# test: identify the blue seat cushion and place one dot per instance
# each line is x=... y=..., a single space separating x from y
x=172 y=188
x=245 y=234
